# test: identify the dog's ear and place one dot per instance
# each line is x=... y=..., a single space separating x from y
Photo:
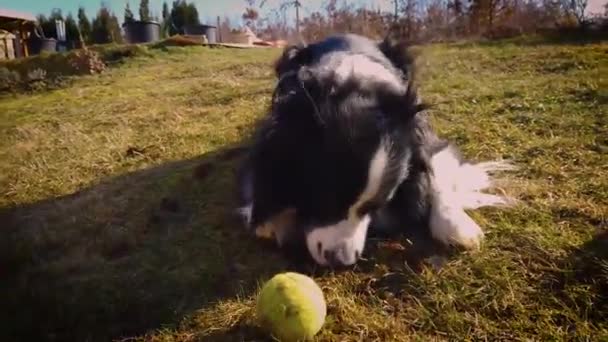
x=292 y=58
x=398 y=52
x=401 y=108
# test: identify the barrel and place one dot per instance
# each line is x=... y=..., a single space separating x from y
x=141 y=31
x=37 y=45
x=207 y=30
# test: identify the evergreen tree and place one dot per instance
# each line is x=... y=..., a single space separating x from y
x=182 y=14
x=128 y=14
x=84 y=25
x=71 y=29
x=192 y=17
x=115 y=30
x=165 y=10
x=48 y=25
x=105 y=28
x=144 y=10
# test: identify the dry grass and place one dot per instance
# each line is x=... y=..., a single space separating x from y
x=117 y=194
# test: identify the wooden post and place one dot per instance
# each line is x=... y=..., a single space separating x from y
x=23 y=38
x=219 y=32
x=297 y=5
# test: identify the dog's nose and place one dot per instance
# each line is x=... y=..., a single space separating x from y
x=341 y=257
x=330 y=257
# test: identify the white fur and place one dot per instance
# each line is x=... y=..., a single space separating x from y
x=457 y=187
x=346 y=239
x=343 y=66
x=245 y=213
x=375 y=175
x=405 y=170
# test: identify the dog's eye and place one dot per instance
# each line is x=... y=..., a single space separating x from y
x=367 y=208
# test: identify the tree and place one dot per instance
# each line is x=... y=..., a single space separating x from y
x=128 y=14
x=115 y=31
x=182 y=15
x=165 y=10
x=192 y=16
x=48 y=26
x=250 y=16
x=144 y=10
x=295 y=4
x=84 y=25
x=105 y=28
x=165 y=23
x=577 y=9
x=71 y=29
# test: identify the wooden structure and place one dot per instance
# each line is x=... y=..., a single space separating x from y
x=21 y=26
x=7 y=45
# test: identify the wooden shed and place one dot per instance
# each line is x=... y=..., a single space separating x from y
x=15 y=29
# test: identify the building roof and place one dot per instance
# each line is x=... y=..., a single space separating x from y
x=10 y=14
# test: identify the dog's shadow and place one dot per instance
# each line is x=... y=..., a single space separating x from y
x=131 y=254
x=138 y=252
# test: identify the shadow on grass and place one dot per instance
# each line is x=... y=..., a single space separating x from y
x=136 y=252
x=140 y=252
x=591 y=271
x=580 y=281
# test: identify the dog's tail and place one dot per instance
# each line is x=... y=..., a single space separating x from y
x=465 y=181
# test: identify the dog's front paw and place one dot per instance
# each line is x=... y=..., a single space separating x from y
x=453 y=227
x=338 y=245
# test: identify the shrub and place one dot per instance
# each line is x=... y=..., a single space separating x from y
x=9 y=79
x=178 y=41
x=36 y=75
x=36 y=80
x=117 y=53
x=86 y=62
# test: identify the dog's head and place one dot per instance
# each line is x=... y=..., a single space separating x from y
x=336 y=144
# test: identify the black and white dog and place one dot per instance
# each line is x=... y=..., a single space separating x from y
x=346 y=148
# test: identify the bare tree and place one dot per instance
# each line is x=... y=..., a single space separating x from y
x=577 y=9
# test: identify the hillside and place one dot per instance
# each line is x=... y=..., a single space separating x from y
x=117 y=191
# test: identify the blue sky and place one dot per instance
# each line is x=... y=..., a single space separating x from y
x=208 y=9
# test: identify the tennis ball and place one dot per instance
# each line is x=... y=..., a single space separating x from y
x=291 y=307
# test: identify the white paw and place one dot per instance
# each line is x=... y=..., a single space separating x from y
x=338 y=245
x=452 y=226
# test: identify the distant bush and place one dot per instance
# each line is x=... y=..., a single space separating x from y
x=9 y=79
x=86 y=62
x=115 y=53
x=177 y=40
x=49 y=70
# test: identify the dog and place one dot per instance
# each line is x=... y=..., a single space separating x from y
x=346 y=149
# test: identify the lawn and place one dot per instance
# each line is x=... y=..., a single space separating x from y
x=117 y=191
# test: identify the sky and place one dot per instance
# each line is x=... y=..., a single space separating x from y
x=208 y=9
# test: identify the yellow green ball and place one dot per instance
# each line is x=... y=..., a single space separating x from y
x=291 y=307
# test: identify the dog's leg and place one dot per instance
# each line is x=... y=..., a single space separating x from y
x=457 y=186
x=451 y=225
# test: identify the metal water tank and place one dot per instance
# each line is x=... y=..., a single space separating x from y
x=207 y=30
x=141 y=31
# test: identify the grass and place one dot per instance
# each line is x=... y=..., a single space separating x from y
x=117 y=192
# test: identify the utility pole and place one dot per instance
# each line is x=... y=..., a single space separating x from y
x=396 y=9
x=219 y=30
x=297 y=5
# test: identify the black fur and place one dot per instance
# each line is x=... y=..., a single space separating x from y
x=312 y=152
